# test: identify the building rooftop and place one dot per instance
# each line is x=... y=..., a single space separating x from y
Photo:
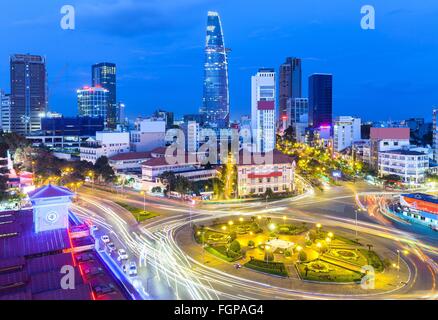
x=389 y=133
x=405 y=152
x=422 y=196
x=50 y=191
x=277 y=158
x=131 y=156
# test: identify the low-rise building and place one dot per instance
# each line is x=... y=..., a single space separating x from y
x=386 y=139
x=191 y=169
x=106 y=143
x=255 y=179
x=410 y=166
x=128 y=162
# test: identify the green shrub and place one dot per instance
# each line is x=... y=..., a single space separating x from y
x=251 y=243
x=302 y=256
x=235 y=246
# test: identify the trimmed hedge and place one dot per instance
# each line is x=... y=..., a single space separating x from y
x=275 y=268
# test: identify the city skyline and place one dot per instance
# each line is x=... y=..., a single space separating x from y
x=379 y=67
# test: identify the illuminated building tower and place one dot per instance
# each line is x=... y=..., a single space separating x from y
x=263 y=110
x=28 y=92
x=216 y=101
x=93 y=102
x=104 y=75
x=320 y=101
x=289 y=83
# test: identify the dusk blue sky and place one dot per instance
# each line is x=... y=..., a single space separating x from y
x=387 y=73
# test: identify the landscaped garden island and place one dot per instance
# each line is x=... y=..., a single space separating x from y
x=284 y=248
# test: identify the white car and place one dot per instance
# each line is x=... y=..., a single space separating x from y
x=122 y=255
x=105 y=238
x=132 y=271
x=124 y=268
x=111 y=247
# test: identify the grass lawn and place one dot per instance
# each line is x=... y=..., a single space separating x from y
x=336 y=274
x=221 y=253
x=373 y=259
x=292 y=229
x=139 y=214
x=275 y=268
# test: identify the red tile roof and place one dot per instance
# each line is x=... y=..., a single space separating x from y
x=389 y=133
x=131 y=156
x=164 y=161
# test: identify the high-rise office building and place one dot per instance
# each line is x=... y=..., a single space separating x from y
x=320 y=101
x=216 y=101
x=5 y=111
x=104 y=75
x=93 y=102
x=435 y=133
x=290 y=86
x=263 y=110
x=28 y=92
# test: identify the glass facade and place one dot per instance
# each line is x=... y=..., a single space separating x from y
x=320 y=100
x=104 y=75
x=93 y=102
x=216 y=104
x=290 y=82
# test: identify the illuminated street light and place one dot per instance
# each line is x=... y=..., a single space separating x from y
x=230 y=222
x=330 y=234
x=241 y=219
x=299 y=248
x=224 y=228
x=272 y=227
x=259 y=217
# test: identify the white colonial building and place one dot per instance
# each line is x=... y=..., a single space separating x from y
x=255 y=179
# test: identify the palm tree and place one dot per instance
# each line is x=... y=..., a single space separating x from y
x=369 y=246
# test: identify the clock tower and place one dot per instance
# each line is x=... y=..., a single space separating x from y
x=50 y=207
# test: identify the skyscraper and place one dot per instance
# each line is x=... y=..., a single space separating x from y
x=104 y=75
x=290 y=83
x=320 y=100
x=93 y=102
x=435 y=134
x=216 y=101
x=28 y=92
x=263 y=110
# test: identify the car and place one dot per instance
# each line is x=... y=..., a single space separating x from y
x=132 y=271
x=105 y=238
x=111 y=247
x=83 y=257
x=122 y=255
x=237 y=266
x=94 y=228
x=124 y=268
x=102 y=289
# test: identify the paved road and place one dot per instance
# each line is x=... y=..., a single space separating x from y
x=171 y=273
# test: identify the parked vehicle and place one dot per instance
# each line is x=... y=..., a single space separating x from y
x=105 y=238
